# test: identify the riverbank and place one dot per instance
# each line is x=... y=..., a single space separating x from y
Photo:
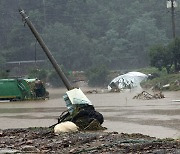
x=43 y=140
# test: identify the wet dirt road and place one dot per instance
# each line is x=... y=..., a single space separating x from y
x=158 y=118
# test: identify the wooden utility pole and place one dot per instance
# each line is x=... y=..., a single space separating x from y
x=44 y=13
x=172 y=4
x=173 y=18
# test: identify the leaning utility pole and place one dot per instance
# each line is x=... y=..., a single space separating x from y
x=79 y=106
x=46 y=50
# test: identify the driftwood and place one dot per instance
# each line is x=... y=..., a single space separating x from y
x=148 y=96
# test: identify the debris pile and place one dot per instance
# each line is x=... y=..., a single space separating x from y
x=148 y=96
x=94 y=91
x=43 y=140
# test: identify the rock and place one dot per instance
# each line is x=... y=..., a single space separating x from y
x=29 y=142
x=1 y=132
x=67 y=126
x=72 y=150
x=8 y=151
x=29 y=148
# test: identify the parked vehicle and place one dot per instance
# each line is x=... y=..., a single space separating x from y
x=22 y=89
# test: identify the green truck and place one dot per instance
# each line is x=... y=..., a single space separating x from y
x=22 y=89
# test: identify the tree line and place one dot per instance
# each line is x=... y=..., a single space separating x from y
x=86 y=33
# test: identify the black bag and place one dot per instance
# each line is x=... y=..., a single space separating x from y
x=83 y=115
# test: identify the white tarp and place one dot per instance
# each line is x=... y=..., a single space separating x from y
x=128 y=80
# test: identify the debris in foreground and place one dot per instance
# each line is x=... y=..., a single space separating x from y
x=43 y=140
x=66 y=126
x=147 y=96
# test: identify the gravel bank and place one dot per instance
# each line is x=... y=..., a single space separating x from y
x=43 y=140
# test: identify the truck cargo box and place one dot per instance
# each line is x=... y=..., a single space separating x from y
x=21 y=89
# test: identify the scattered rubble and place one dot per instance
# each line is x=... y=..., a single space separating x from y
x=43 y=140
x=147 y=96
x=94 y=91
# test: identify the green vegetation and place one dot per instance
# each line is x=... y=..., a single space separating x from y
x=166 y=56
x=3 y=74
x=81 y=33
x=54 y=79
x=38 y=73
x=161 y=78
x=97 y=76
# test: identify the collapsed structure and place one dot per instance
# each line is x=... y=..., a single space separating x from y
x=127 y=81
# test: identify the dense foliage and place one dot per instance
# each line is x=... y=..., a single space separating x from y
x=82 y=33
x=166 y=56
x=97 y=75
x=161 y=80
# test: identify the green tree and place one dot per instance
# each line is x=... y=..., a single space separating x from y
x=144 y=33
x=161 y=57
x=174 y=48
x=70 y=49
x=54 y=79
x=97 y=75
x=81 y=33
x=38 y=73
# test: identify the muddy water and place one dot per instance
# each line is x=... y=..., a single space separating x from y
x=159 y=118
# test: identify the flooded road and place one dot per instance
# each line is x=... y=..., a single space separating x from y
x=159 y=118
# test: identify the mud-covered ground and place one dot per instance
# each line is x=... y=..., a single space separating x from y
x=43 y=140
x=159 y=118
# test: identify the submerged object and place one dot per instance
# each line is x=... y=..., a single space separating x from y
x=80 y=109
x=22 y=89
x=148 y=96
